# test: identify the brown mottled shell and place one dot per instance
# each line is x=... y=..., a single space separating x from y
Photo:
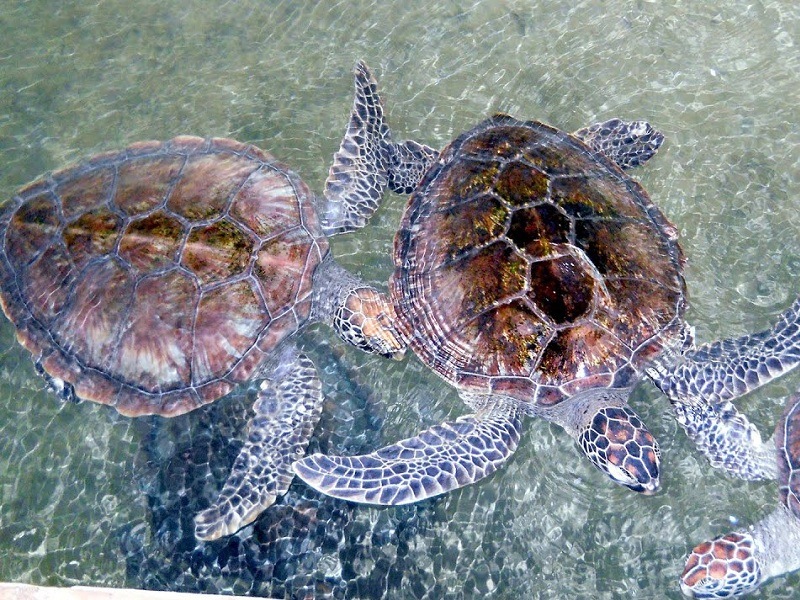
x=787 y=441
x=528 y=265
x=156 y=278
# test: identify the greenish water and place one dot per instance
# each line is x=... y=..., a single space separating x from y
x=88 y=497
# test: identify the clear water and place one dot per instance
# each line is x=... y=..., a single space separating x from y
x=88 y=497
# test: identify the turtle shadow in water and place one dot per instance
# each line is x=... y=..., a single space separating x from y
x=307 y=545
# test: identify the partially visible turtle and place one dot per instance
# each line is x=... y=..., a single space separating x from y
x=739 y=562
x=157 y=278
x=533 y=274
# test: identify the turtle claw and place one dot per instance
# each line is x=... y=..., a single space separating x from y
x=440 y=459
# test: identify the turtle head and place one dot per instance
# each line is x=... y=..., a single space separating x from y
x=614 y=438
x=723 y=568
x=367 y=320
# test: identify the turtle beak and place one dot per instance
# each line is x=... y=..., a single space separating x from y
x=649 y=488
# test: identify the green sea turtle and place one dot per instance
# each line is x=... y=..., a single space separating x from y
x=533 y=274
x=156 y=278
x=739 y=562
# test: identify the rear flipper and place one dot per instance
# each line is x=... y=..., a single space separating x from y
x=287 y=409
x=627 y=143
x=703 y=383
x=368 y=161
x=440 y=459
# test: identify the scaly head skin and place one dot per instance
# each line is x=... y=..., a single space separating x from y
x=366 y=319
x=618 y=443
x=722 y=568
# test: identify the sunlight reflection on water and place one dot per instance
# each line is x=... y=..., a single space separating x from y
x=88 y=497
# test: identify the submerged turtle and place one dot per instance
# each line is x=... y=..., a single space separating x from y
x=739 y=562
x=533 y=274
x=157 y=278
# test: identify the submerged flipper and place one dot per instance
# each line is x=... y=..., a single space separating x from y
x=440 y=459
x=703 y=383
x=627 y=143
x=287 y=409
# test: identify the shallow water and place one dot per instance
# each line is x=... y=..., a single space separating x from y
x=88 y=497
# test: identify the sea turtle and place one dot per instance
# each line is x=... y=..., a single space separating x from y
x=739 y=562
x=156 y=278
x=533 y=274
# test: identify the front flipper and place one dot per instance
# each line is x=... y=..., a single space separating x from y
x=359 y=173
x=440 y=459
x=627 y=143
x=702 y=384
x=368 y=161
x=287 y=409
x=731 y=368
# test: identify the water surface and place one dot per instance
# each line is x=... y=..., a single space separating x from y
x=88 y=497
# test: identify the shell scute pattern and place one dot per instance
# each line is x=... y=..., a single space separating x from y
x=207 y=184
x=152 y=242
x=520 y=184
x=91 y=234
x=217 y=251
x=549 y=215
x=32 y=229
x=473 y=225
x=135 y=196
x=118 y=247
x=78 y=198
x=538 y=230
x=153 y=347
x=502 y=141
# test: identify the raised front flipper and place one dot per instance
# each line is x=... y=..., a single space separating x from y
x=368 y=161
x=287 y=409
x=702 y=384
x=627 y=143
x=360 y=169
x=440 y=459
